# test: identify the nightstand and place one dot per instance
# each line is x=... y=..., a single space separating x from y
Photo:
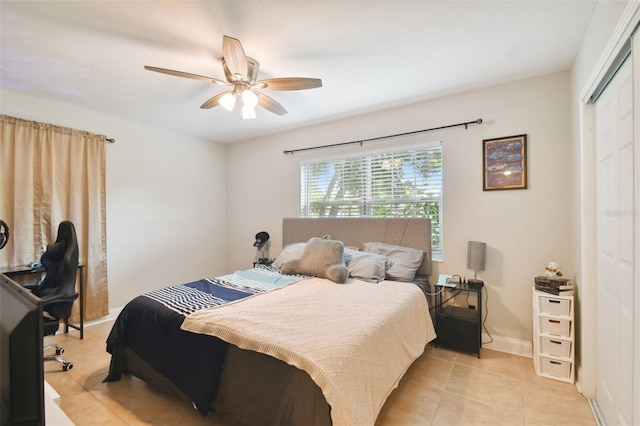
x=459 y=318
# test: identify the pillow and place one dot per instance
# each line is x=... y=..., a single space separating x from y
x=366 y=266
x=290 y=252
x=322 y=258
x=406 y=260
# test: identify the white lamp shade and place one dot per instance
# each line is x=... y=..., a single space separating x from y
x=249 y=98
x=476 y=254
x=228 y=101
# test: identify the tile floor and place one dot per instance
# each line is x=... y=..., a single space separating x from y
x=441 y=388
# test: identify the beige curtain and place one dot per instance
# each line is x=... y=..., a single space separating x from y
x=49 y=174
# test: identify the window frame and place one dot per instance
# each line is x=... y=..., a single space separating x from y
x=437 y=250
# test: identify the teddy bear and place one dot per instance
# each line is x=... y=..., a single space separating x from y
x=552 y=270
x=321 y=258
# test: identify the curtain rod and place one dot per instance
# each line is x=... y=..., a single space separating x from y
x=465 y=124
x=110 y=140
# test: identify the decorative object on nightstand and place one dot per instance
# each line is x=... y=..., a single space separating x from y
x=552 y=270
x=476 y=255
x=553 y=335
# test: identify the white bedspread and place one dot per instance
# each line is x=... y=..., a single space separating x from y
x=355 y=340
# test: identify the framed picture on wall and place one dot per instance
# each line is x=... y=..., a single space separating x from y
x=504 y=163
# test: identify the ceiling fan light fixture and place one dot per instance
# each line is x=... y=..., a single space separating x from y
x=241 y=73
x=248 y=112
x=228 y=101
x=249 y=98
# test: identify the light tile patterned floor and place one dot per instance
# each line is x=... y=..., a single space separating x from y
x=441 y=388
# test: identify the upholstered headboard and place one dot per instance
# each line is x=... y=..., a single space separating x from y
x=353 y=232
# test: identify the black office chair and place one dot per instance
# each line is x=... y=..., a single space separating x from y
x=58 y=288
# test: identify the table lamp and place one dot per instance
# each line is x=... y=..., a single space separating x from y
x=476 y=255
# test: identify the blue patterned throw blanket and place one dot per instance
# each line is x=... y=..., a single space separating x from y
x=149 y=326
x=188 y=298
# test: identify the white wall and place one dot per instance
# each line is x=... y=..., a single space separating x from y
x=165 y=198
x=524 y=229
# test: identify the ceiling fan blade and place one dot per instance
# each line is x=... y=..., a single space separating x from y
x=289 y=83
x=252 y=71
x=270 y=104
x=185 y=75
x=234 y=56
x=214 y=101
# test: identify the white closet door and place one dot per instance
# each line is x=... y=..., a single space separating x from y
x=615 y=247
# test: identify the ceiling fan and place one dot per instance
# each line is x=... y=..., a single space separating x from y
x=241 y=74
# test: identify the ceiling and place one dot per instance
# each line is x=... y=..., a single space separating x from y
x=370 y=55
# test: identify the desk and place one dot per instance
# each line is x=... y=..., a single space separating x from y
x=23 y=270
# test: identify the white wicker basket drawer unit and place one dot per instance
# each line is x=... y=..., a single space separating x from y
x=555 y=326
x=555 y=368
x=556 y=347
x=554 y=305
x=553 y=336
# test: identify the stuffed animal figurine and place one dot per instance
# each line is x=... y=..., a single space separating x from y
x=321 y=258
x=552 y=270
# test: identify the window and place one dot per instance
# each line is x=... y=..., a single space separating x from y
x=396 y=184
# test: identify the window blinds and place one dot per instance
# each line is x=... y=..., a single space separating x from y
x=397 y=184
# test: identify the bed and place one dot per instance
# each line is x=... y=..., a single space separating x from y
x=262 y=348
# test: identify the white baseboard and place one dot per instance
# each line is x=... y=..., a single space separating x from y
x=113 y=314
x=597 y=414
x=509 y=345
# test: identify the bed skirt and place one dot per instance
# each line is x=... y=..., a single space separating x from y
x=255 y=389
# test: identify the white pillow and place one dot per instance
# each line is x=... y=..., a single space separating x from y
x=406 y=260
x=290 y=252
x=366 y=266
